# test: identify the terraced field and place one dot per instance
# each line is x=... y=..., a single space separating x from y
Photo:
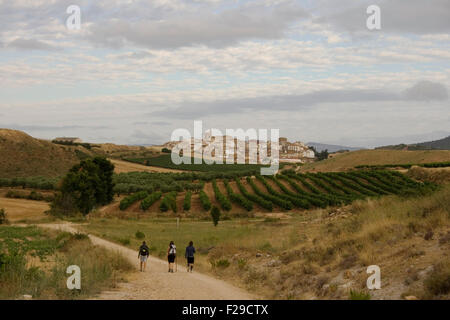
x=284 y=192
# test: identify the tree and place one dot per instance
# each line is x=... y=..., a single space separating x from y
x=215 y=214
x=87 y=184
x=165 y=150
x=3 y=219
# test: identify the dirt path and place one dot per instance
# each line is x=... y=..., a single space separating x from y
x=157 y=284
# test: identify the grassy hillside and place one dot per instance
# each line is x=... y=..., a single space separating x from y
x=25 y=156
x=350 y=160
x=322 y=254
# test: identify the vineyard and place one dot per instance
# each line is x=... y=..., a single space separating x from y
x=283 y=192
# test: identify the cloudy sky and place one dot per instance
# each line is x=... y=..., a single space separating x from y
x=138 y=69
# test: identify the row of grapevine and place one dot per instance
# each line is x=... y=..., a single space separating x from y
x=220 y=197
x=253 y=197
x=187 y=201
x=204 y=200
x=282 y=203
x=151 y=199
x=128 y=201
x=316 y=199
x=349 y=187
x=169 y=202
x=296 y=201
x=237 y=197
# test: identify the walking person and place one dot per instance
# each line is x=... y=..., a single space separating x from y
x=190 y=250
x=171 y=255
x=143 y=254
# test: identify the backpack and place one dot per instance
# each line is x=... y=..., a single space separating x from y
x=173 y=249
x=143 y=251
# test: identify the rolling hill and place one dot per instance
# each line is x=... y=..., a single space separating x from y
x=330 y=147
x=441 y=144
x=352 y=159
x=25 y=156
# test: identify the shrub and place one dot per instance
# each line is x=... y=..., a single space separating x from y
x=438 y=282
x=139 y=235
x=124 y=241
x=215 y=214
x=359 y=295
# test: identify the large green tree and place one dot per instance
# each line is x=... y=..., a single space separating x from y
x=87 y=185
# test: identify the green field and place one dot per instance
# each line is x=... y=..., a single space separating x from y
x=165 y=161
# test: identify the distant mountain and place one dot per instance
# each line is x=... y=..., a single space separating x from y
x=442 y=144
x=330 y=147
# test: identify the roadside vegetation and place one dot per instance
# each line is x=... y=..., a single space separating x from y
x=33 y=262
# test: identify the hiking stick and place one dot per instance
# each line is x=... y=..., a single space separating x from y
x=176 y=264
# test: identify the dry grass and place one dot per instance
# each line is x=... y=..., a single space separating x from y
x=349 y=160
x=22 y=209
x=126 y=166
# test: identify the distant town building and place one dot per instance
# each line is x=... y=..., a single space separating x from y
x=296 y=152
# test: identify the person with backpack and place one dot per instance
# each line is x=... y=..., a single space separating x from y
x=190 y=250
x=143 y=254
x=171 y=255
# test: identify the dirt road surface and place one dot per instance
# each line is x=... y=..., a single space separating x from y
x=156 y=283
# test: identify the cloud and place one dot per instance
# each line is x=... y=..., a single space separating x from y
x=254 y=20
x=30 y=44
x=399 y=16
x=424 y=90
x=427 y=91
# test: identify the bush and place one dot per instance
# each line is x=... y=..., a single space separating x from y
x=359 y=295
x=215 y=214
x=124 y=241
x=438 y=282
x=139 y=235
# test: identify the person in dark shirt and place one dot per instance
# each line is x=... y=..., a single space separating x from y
x=190 y=250
x=143 y=254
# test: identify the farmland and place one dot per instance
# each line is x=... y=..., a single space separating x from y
x=236 y=192
x=165 y=161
